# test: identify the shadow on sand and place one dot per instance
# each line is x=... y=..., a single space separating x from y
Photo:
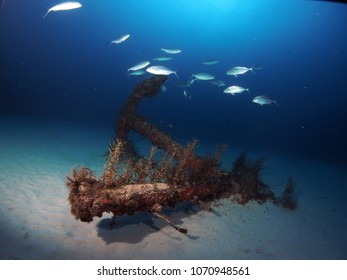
x=133 y=229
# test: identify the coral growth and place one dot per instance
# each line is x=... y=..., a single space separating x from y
x=288 y=199
x=147 y=185
x=112 y=164
x=247 y=175
x=131 y=183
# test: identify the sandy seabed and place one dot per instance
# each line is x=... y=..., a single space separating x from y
x=35 y=219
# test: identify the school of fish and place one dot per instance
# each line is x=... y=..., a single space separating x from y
x=139 y=68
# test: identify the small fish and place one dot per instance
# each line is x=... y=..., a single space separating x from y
x=187 y=94
x=203 y=76
x=190 y=82
x=166 y=123
x=160 y=70
x=139 y=66
x=181 y=85
x=235 y=90
x=264 y=100
x=162 y=58
x=239 y=70
x=172 y=51
x=218 y=83
x=210 y=62
x=163 y=88
x=137 y=73
x=65 y=6
x=120 y=40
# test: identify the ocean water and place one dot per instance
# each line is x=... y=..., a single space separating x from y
x=60 y=78
x=61 y=67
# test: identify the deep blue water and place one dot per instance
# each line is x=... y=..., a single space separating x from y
x=61 y=67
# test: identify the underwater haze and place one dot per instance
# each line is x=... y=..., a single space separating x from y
x=63 y=83
x=61 y=67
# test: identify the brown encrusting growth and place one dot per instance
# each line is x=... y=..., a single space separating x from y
x=131 y=183
x=287 y=199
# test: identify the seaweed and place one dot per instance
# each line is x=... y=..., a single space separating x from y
x=288 y=199
x=247 y=175
x=131 y=183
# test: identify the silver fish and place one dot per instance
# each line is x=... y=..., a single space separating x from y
x=181 y=85
x=160 y=70
x=187 y=94
x=162 y=58
x=218 y=83
x=65 y=6
x=235 y=90
x=120 y=40
x=190 y=82
x=172 y=51
x=137 y=73
x=264 y=100
x=239 y=70
x=210 y=62
x=204 y=76
x=139 y=66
